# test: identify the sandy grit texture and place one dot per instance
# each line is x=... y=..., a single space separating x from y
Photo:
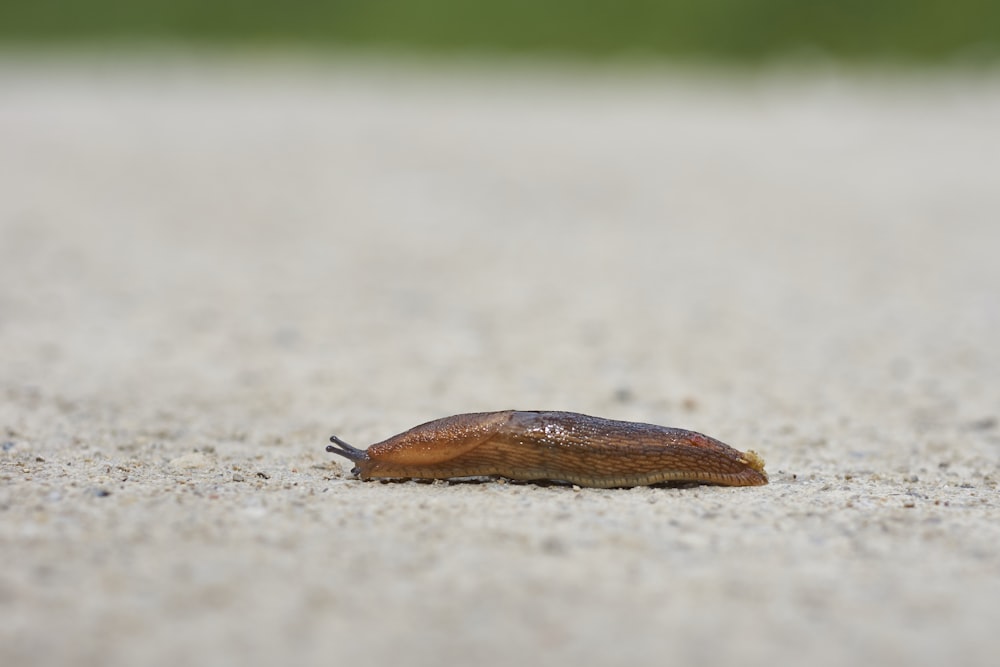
x=207 y=269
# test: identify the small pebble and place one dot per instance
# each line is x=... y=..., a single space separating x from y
x=192 y=460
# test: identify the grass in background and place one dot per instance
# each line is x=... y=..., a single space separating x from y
x=734 y=30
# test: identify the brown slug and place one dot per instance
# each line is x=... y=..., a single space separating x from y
x=554 y=446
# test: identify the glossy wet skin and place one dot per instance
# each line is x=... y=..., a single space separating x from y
x=556 y=446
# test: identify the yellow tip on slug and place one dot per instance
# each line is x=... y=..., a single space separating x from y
x=754 y=460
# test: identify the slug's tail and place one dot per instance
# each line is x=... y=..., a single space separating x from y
x=345 y=450
x=755 y=461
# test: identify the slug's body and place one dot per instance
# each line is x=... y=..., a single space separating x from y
x=556 y=446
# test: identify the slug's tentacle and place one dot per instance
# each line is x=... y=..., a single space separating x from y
x=554 y=446
x=346 y=450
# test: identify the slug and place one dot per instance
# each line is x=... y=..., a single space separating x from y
x=553 y=446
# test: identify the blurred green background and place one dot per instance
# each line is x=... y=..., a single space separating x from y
x=724 y=30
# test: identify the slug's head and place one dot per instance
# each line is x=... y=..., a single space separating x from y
x=348 y=452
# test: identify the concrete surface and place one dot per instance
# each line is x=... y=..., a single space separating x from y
x=208 y=268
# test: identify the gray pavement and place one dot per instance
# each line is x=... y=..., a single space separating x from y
x=207 y=268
